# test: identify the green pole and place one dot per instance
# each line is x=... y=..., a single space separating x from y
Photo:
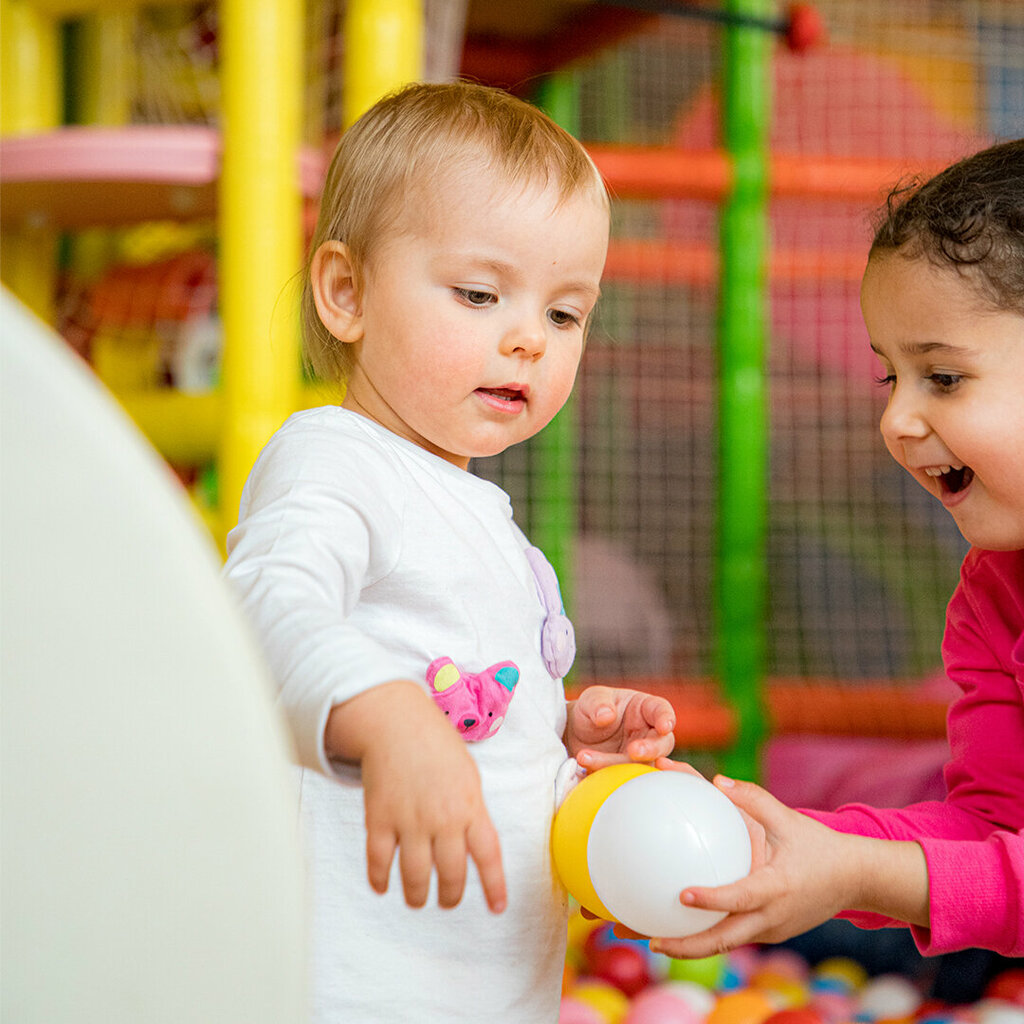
x=742 y=407
x=553 y=466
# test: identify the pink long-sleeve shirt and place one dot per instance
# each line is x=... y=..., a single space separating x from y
x=971 y=840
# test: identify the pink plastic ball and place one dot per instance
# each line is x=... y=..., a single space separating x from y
x=572 y=1011
x=660 y=1005
x=785 y=962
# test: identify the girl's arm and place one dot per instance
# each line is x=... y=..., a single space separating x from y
x=803 y=874
x=422 y=794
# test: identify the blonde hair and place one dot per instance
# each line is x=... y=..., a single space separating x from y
x=399 y=146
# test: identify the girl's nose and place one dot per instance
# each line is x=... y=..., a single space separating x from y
x=903 y=418
x=526 y=338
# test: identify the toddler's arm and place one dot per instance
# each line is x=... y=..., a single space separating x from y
x=422 y=794
x=605 y=725
x=803 y=874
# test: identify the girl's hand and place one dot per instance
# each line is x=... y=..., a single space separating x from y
x=422 y=796
x=607 y=725
x=802 y=874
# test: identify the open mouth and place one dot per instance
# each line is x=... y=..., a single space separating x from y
x=953 y=478
x=503 y=394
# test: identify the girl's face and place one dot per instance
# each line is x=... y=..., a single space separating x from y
x=955 y=372
x=472 y=315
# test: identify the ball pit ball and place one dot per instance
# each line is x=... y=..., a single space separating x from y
x=604 y=999
x=839 y=974
x=796 y=1015
x=889 y=997
x=662 y=1005
x=624 y=966
x=998 y=1011
x=699 y=998
x=1009 y=986
x=573 y=1011
x=707 y=971
x=629 y=839
x=746 y=1006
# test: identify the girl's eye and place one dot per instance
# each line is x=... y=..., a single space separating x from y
x=945 y=381
x=886 y=381
x=475 y=297
x=561 y=318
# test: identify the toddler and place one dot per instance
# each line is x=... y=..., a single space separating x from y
x=418 y=640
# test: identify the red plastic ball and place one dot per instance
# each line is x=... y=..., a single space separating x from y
x=625 y=966
x=796 y=1015
x=1009 y=986
x=805 y=28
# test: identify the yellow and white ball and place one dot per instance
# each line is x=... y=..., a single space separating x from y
x=629 y=839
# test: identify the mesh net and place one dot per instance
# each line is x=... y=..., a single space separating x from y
x=861 y=561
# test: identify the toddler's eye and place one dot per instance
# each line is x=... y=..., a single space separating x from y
x=475 y=297
x=945 y=381
x=886 y=381
x=562 y=318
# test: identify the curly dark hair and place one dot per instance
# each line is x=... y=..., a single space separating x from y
x=970 y=217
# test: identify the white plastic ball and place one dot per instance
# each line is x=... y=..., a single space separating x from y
x=656 y=835
x=889 y=996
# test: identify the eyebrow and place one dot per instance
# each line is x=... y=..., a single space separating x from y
x=924 y=348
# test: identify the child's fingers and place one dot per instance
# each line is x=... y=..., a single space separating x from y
x=485 y=849
x=450 y=859
x=659 y=713
x=415 y=857
x=380 y=852
x=752 y=799
x=650 y=749
x=729 y=933
x=594 y=759
x=667 y=765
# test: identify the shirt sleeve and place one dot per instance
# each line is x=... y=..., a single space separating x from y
x=318 y=520
x=971 y=840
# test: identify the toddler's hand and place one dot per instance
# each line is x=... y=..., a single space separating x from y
x=423 y=799
x=607 y=725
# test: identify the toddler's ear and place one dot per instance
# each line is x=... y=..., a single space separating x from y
x=336 y=292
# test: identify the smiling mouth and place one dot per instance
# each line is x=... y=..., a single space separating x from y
x=953 y=478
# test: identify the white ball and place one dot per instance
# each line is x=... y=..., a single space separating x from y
x=889 y=996
x=656 y=835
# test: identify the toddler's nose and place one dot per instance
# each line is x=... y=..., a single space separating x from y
x=526 y=339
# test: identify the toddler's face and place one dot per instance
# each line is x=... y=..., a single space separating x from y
x=472 y=317
x=955 y=416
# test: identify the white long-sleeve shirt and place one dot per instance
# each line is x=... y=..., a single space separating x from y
x=360 y=558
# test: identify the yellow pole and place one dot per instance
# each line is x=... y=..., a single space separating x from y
x=108 y=68
x=383 y=50
x=260 y=230
x=30 y=101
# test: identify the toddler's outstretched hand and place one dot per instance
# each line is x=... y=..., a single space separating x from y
x=607 y=725
x=802 y=874
x=422 y=796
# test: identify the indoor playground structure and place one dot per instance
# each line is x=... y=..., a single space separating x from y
x=728 y=527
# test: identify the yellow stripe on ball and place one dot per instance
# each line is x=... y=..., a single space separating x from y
x=570 y=831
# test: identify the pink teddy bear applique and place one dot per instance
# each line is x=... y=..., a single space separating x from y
x=475 y=702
